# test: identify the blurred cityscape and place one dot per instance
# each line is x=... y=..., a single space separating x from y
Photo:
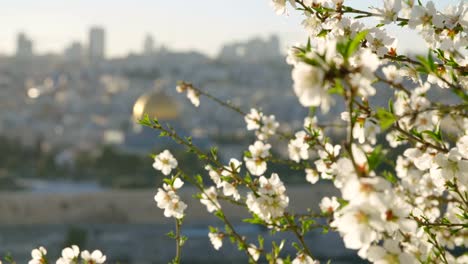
x=66 y=110
x=70 y=140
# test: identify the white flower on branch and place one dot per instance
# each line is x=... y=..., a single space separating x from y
x=232 y=169
x=272 y=199
x=379 y=41
x=95 y=258
x=389 y=252
x=230 y=190
x=393 y=74
x=454 y=15
x=280 y=5
x=210 y=199
x=451 y=166
x=425 y=16
x=167 y=199
x=268 y=127
x=214 y=175
x=312 y=24
x=298 y=148
x=192 y=94
x=69 y=255
x=253 y=119
x=309 y=86
x=423 y=160
x=359 y=225
x=312 y=175
x=395 y=213
x=254 y=251
x=303 y=258
x=329 y=205
x=389 y=13
x=216 y=240
x=165 y=162
x=462 y=146
x=38 y=256
x=256 y=164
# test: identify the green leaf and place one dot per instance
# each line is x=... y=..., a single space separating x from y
x=323 y=33
x=386 y=118
x=199 y=179
x=376 y=157
x=145 y=121
x=214 y=152
x=337 y=88
x=355 y=43
x=390 y=177
x=261 y=241
x=171 y=234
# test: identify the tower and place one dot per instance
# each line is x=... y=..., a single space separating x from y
x=97 y=42
x=148 y=47
x=24 y=46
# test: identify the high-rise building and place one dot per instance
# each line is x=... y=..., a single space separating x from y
x=24 y=46
x=74 y=52
x=148 y=47
x=97 y=43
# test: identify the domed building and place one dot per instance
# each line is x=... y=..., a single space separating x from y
x=156 y=104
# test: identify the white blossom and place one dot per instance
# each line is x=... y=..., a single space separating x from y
x=462 y=146
x=253 y=119
x=309 y=87
x=392 y=74
x=210 y=199
x=96 y=257
x=390 y=252
x=38 y=255
x=256 y=164
x=230 y=190
x=425 y=16
x=253 y=251
x=454 y=15
x=312 y=175
x=216 y=240
x=380 y=42
x=165 y=162
x=329 y=205
x=280 y=5
x=389 y=12
x=303 y=258
x=167 y=199
x=268 y=127
x=193 y=96
x=272 y=199
x=298 y=148
x=69 y=255
x=359 y=225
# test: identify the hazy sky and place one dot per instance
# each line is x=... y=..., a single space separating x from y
x=202 y=25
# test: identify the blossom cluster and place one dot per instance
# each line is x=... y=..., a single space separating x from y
x=70 y=255
x=400 y=171
x=414 y=212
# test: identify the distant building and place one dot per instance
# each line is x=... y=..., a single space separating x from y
x=74 y=52
x=148 y=46
x=24 y=46
x=97 y=43
x=255 y=49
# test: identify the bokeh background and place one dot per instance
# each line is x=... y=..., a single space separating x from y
x=75 y=76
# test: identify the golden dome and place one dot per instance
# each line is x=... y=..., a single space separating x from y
x=156 y=104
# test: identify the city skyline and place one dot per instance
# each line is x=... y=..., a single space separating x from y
x=200 y=26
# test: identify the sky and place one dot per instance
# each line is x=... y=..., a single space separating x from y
x=202 y=25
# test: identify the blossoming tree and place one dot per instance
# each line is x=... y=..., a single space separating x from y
x=414 y=213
